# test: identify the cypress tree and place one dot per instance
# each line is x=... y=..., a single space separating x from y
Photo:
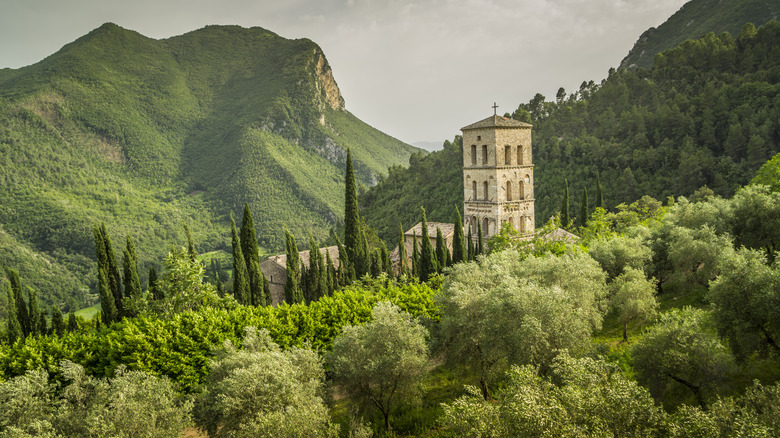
x=190 y=247
x=584 y=208
x=14 y=329
x=448 y=258
x=130 y=265
x=565 y=206
x=352 y=235
x=480 y=246
x=267 y=292
x=241 y=290
x=470 y=246
x=387 y=265
x=427 y=263
x=44 y=327
x=364 y=260
x=458 y=244
x=344 y=273
x=22 y=313
x=441 y=251
x=376 y=264
x=415 y=257
x=322 y=275
x=292 y=292
x=251 y=253
x=57 y=321
x=599 y=193
x=311 y=291
x=332 y=275
x=107 y=261
x=402 y=268
x=73 y=325
x=34 y=312
x=256 y=280
x=153 y=289
x=107 y=303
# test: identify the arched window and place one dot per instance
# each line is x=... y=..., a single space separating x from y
x=474 y=190
x=508 y=155
x=473 y=155
x=519 y=155
x=522 y=224
x=509 y=190
x=521 y=190
x=484 y=190
x=473 y=226
x=484 y=154
x=511 y=222
x=485 y=225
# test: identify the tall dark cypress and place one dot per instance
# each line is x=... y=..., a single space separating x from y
x=480 y=245
x=584 y=208
x=107 y=303
x=190 y=246
x=130 y=265
x=387 y=265
x=344 y=276
x=441 y=251
x=241 y=290
x=352 y=234
x=267 y=291
x=251 y=253
x=107 y=261
x=332 y=274
x=565 y=206
x=22 y=312
x=13 y=329
x=34 y=312
x=415 y=257
x=402 y=268
x=599 y=193
x=153 y=289
x=458 y=243
x=376 y=264
x=73 y=325
x=313 y=272
x=292 y=291
x=427 y=263
x=57 y=321
x=470 y=246
x=364 y=256
x=256 y=280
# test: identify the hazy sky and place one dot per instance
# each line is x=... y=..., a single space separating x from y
x=417 y=70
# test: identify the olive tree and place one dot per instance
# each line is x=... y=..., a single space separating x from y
x=380 y=363
x=504 y=310
x=746 y=299
x=262 y=391
x=617 y=253
x=682 y=351
x=633 y=298
x=581 y=397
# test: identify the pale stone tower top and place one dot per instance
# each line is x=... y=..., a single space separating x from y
x=498 y=175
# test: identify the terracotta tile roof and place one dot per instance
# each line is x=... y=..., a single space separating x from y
x=496 y=121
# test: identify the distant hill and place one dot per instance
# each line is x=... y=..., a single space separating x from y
x=696 y=18
x=147 y=134
x=708 y=113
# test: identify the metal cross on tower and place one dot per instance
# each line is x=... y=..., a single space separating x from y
x=494 y=108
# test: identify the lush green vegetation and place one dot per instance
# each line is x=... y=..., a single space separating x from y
x=146 y=134
x=696 y=18
x=706 y=114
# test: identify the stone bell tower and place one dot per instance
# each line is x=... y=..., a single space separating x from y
x=498 y=176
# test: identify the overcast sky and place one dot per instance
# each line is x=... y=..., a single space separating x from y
x=417 y=70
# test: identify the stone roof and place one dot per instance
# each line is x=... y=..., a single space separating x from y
x=496 y=121
x=281 y=259
x=446 y=229
x=559 y=234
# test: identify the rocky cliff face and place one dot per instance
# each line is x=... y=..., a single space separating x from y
x=326 y=84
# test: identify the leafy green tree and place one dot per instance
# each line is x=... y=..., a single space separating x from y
x=682 y=351
x=633 y=298
x=519 y=311
x=381 y=363
x=565 y=205
x=581 y=397
x=769 y=174
x=27 y=406
x=134 y=299
x=241 y=285
x=615 y=254
x=183 y=286
x=263 y=391
x=427 y=261
x=756 y=219
x=292 y=290
x=458 y=243
x=745 y=300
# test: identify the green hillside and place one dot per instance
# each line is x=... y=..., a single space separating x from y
x=146 y=134
x=708 y=113
x=696 y=18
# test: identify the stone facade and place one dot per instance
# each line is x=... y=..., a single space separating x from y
x=447 y=232
x=498 y=176
x=275 y=270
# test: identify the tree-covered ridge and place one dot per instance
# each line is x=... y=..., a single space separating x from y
x=706 y=114
x=696 y=18
x=145 y=134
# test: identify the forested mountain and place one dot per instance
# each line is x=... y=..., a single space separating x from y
x=147 y=134
x=707 y=114
x=696 y=18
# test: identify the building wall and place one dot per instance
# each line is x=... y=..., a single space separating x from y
x=494 y=207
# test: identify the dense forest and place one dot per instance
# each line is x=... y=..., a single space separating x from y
x=707 y=113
